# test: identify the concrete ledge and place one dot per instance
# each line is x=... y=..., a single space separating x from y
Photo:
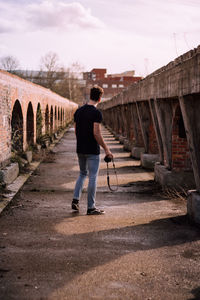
x=137 y=151
x=128 y=145
x=170 y=178
x=148 y=160
x=9 y=173
x=122 y=139
x=4 y=163
x=193 y=206
x=29 y=156
x=117 y=136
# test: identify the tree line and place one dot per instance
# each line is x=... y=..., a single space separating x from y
x=65 y=81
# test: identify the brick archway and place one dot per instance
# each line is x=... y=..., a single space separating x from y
x=17 y=127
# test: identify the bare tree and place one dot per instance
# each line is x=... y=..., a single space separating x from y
x=63 y=81
x=9 y=63
x=49 y=62
x=70 y=84
x=49 y=69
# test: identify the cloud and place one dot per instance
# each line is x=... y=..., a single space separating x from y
x=44 y=15
x=156 y=18
x=57 y=14
x=5 y=27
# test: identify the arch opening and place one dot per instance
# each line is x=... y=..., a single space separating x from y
x=17 y=127
x=30 y=125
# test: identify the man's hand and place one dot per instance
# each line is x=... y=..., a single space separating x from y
x=109 y=154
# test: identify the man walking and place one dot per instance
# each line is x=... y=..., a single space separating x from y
x=89 y=139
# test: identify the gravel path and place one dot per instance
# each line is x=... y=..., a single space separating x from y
x=142 y=248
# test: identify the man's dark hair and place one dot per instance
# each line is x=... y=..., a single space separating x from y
x=95 y=93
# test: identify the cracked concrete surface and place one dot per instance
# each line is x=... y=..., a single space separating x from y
x=142 y=248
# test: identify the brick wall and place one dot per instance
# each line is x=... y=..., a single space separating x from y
x=180 y=150
x=13 y=88
x=5 y=133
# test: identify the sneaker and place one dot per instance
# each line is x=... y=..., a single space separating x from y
x=95 y=211
x=75 y=204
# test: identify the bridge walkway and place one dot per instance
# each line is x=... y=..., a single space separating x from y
x=142 y=248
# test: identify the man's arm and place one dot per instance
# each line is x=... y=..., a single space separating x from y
x=100 y=140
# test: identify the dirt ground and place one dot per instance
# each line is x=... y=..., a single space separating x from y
x=142 y=248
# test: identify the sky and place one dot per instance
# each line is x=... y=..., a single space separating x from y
x=119 y=35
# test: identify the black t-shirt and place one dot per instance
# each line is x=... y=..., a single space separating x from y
x=85 y=117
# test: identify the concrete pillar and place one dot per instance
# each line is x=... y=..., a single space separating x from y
x=193 y=206
x=148 y=161
x=109 y=118
x=131 y=131
x=129 y=121
x=124 y=116
x=114 y=119
x=117 y=121
x=190 y=108
x=164 y=112
x=136 y=127
x=144 y=118
x=150 y=157
x=157 y=130
x=121 y=119
x=129 y=142
x=138 y=147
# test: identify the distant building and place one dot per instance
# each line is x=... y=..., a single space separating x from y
x=111 y=83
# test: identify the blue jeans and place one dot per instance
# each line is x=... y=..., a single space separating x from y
x=88 y=163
